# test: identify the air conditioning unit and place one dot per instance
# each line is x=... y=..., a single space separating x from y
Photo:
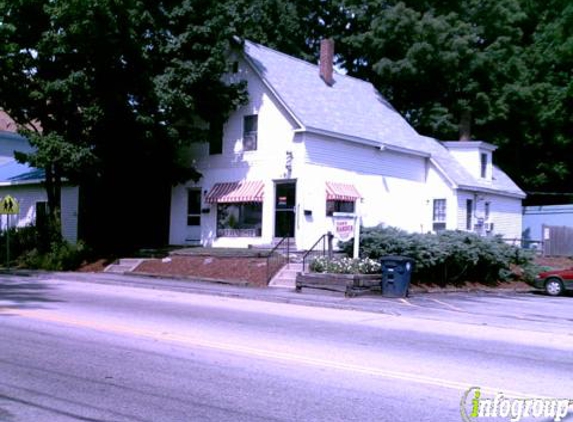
x=249 y=142
x=488 y=227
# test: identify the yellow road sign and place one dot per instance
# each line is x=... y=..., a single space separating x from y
x=9 y=205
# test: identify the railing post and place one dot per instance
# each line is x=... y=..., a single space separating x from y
x=288 y=252
x=330 y=237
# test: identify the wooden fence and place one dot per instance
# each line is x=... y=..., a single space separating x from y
x=557 y=240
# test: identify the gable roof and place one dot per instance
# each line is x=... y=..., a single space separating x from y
x=11 y=171
x=354 y=110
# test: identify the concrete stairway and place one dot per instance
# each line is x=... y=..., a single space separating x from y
x=286 y=277
x=123 y=265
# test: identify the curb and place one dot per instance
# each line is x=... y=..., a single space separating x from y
x=241 y=283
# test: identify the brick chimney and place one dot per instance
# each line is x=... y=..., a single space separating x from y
x=327 y=61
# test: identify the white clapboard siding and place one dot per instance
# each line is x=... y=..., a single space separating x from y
x=69 y=213
x=505 y=213
x=352 y=156
x=29 y=195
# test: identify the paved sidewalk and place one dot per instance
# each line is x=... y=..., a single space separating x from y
x=498 y=308
x=371 y=302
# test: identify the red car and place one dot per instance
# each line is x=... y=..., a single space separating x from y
x=554 y=282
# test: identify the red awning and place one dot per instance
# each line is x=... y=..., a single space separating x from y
x=243 y=191
x=341 y=192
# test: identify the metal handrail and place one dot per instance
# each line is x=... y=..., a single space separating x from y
x=322 y=239
x=275 y=258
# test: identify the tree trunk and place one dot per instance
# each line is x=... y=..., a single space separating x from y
x=52 y=231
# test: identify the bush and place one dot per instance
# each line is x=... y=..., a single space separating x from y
x=62 y=256
x=344 y=265
x=22 y=240
x=448 y=257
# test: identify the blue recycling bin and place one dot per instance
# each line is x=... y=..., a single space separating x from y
x=396 y=275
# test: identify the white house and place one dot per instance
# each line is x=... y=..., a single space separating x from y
x=311 y=142
x=24 y=184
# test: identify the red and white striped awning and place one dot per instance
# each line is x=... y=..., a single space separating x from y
x=243 y=191
x=341 y=192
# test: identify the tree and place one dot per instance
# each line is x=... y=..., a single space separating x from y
x=498 y=71
x=118 y=89
x=538 y=144
x=441 y=66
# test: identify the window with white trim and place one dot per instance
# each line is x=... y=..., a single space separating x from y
x=439 y=215
x=469 y=213
x=483 y=169
x=194 y=207
x=240 y=219
x=333 y=206
x=250 y=132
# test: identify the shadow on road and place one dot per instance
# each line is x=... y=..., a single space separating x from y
x=17 y=292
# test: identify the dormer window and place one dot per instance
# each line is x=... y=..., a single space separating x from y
x=250 y=128
x=483 y=165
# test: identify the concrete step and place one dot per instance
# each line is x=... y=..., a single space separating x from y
x=123 y=265
x=118 y=269
x=134 y=262
x=286 y=277
x=286 y=284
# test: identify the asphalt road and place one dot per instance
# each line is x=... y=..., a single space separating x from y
x=77 y=351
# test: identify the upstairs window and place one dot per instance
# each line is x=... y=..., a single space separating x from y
x=215 y=138
x=439 y=215
x=250 y=128
x=483 y=165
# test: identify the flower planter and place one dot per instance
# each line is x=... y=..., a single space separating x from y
x=350 y=284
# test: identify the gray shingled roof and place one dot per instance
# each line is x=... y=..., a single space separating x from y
x=353 y=108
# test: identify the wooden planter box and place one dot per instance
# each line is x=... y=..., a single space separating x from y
x=350 y=284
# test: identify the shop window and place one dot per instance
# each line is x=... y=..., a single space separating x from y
x=243 y=219
x=333 y=206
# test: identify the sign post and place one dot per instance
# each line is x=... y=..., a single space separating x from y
x=8 y=206
x=346 y=226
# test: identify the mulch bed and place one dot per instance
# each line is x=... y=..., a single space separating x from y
x=250 y=270
x=94 y=267
x=557 y=262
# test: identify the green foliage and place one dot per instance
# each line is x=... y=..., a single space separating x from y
x=26 y=250
x=344 y=265
x=22 y=240
x=62 y=256
x=99 y=84
x=450 y=257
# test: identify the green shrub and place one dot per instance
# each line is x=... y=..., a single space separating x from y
x=27 y=250
x=22 y=240
x=62 y=256
x=445 y=258
x=344 y=265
